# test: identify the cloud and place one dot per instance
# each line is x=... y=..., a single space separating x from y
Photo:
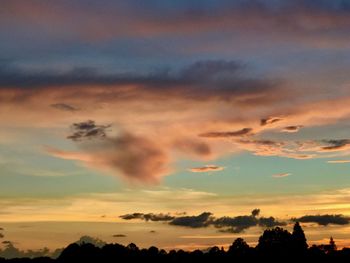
x=255 y=212
x=119 y=235
x=336 y=145
x=298 y=22
x=228 y=224
x=133 y=157
x=339 y=161
x=207 y=168
x=2 y=235
x=324 y=220
x=270 y=222
x=280 y=175
x=235 y=224
x=269 y=120
x=87 y=130
x=202 y=220
x=193 y=147
x=64 y=107
x=244 y=131
x=294 y=128
x=148 y=217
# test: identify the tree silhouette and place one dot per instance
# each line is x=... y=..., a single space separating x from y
x=298 y=239
x=239 y=248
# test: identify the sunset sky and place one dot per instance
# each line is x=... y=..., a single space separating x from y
x=181 y=124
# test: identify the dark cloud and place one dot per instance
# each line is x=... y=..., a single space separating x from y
x=64 y=107
x=293 y=128
x=324 y=220
x=202 y=220
x=207 y=168
x=1 y=228
x=255 y=212
x=335 y=145
x=119 y=235
x=153 y=232
x=2 y=235
x=270 y=222
x=244 y=131
x=148 y=217
x=87 y=130
x=203 y=80
x=269 y=120
x=235 y=224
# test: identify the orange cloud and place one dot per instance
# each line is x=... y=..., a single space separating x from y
x=207 y=168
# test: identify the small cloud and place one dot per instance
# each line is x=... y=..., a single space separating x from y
x=87 y=130
x=207 y=168
x=244 y=131
x=280 y=175
x=153 y=232
x=294 y=128
x=147 y=217
x=335 y=145
x=2 y=235
x=255 y=212
x=119 y=235
x=64 y=107
x=339 y=161
x=269 y=120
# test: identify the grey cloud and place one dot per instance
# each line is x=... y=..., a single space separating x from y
x=242 y=132
x=201 y=220
x=64 y=107
x=255 y=212
x=324 y=220
x=203 y=80
x=269 y=120
x=148 y=217
x=293 y=128
x=87 y=130
x=270 y=222
x=335 y=145
x=235 y=224
x=119 y=235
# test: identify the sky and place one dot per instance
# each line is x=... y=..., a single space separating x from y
x=181 y=124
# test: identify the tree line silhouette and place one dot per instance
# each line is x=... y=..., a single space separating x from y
x=274 y=245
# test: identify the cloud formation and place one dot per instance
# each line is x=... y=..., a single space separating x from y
x=135 y=158
x=64 y=107
x=339 y=161
x=202 y=220
x=87 y=130
x=228 y=134
x=293 y=128
x=324 y=220
x=148 y=217
x=281 y=175
x=235 y=224
x=207 y=168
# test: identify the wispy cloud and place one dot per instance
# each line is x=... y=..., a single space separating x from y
x=207 y=168
x=280 y=175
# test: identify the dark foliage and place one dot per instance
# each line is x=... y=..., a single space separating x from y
x=275 y=245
